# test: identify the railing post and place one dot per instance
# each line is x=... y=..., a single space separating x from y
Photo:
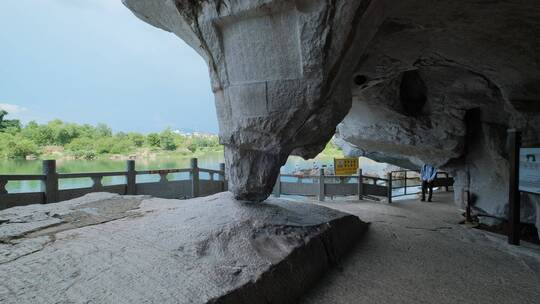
x=277 y=186
x=405 y=190
x=194 y=178
x=131 y=176
x=97 y=185
x=50 y=184
x=389 y=185
x=360 y=185
x=163 y=177
x=321 y=185
x=222 y=176
x=3 y=183
x=514 y=197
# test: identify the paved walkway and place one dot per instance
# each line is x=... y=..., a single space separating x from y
x=416 y=252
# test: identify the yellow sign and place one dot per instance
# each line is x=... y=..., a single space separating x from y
x=345 y=166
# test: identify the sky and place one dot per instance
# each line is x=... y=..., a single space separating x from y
x=93 y=61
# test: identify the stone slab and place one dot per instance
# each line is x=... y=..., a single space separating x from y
x=107 y=248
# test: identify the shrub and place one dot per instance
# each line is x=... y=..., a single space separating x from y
x=81 y=144
x=166 y=140
x=18 y=147
x=153 y=139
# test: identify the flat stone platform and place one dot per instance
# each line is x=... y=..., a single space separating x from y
x=106 y=248
x=417 y=252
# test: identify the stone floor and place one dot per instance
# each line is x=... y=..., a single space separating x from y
x=416 y=252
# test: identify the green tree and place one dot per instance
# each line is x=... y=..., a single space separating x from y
x=166 y=140
x=153 y=140
x=81 y=144
x=104 y=145
x=136 y=138
x=102 y=130
x=3 y=113
x=9 y=125
x=86 y=141
x=45 y=135
x=17 y=146
x=111 y=145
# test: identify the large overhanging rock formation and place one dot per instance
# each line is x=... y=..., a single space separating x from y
x=281 y=73
x=441 y=82
x=435 y=81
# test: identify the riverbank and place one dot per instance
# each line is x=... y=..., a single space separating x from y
x=58 y=153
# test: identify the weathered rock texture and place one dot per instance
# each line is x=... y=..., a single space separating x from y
x=441 y=82
x=106 y=248
x=281 y=74
x=435 y=81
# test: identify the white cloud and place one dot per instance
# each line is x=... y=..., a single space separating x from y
x=11 y=108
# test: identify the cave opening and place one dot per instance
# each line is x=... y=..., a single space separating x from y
x=412 y=93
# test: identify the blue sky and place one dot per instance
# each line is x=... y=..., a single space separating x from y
x=91 y=61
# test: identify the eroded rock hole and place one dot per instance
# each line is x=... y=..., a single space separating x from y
x=360 y=79
x=412 y=92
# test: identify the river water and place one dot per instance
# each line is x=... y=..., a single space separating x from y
x=209 y=160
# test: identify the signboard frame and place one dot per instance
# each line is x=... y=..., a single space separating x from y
x=514 y=196
x=515 y=150
x=529 y=169
x=345 y=166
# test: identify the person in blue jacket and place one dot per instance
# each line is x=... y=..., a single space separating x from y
x=427 y=175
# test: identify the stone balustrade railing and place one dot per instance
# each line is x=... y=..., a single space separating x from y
x=165 y=188
x=395 y=184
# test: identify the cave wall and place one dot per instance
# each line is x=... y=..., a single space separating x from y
x=440 y=83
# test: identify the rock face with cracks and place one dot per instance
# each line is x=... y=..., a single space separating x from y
x=106 y=248
x=430 y=81
x=281 y=74
x=440 y=83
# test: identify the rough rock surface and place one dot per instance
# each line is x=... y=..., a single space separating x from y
x=441 y=82
x=435 y=81
x=281 y=74
x=106 y=248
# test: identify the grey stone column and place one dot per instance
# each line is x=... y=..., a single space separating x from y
x=194 y=178
x=50 y=184
x=131 y=178
x=321 y=185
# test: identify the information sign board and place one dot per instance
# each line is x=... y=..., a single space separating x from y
x=529 y=170
x=346 y=166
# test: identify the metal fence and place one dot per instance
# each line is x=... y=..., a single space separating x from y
x=407 y=182
x=396 y=184
x=166 y=187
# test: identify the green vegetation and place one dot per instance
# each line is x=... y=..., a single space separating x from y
x=59 y=139
x=331 y=150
